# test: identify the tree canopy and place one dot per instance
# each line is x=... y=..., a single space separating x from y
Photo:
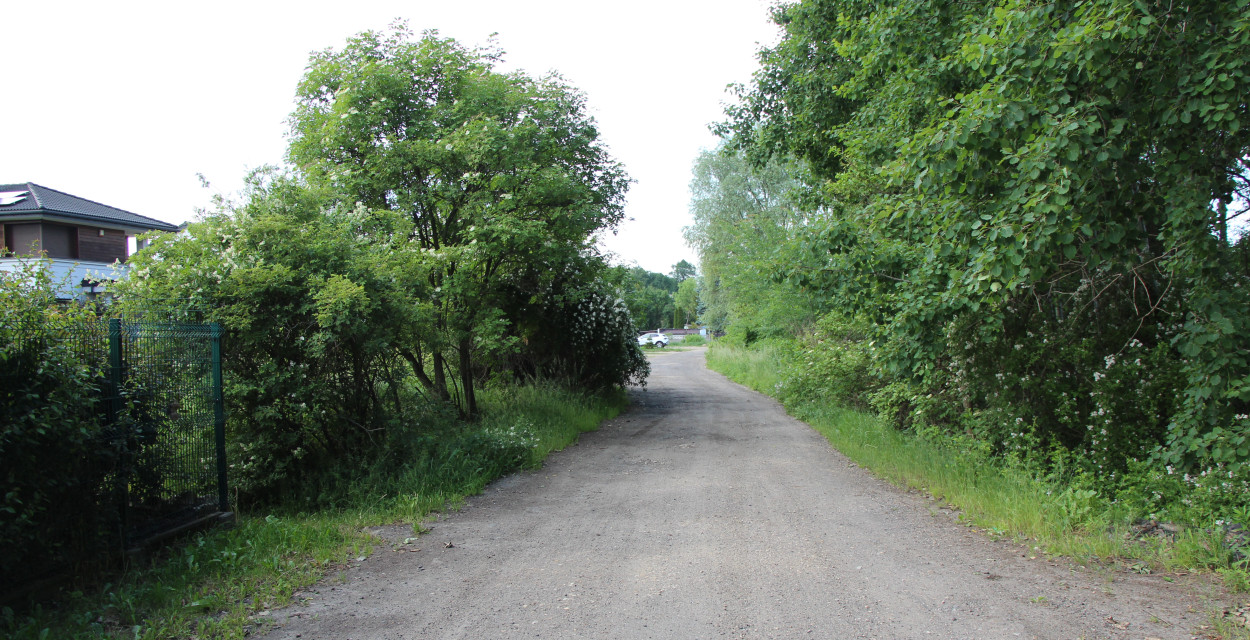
x=683 y=270
x=435 y=233
x=746 y=228
x=501 y=176
x=1015 y=177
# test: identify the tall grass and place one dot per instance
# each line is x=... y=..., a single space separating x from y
x=214 y=584
x=1001 y=499
x=758 y=368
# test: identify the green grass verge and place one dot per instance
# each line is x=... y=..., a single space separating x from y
x=214 y=584
x=1001 y=500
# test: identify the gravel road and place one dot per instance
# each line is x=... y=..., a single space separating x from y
x=706 y=512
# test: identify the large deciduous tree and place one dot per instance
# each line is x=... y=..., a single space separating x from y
x=1020 y=175
x=746 y=227
x=437 y=233
x=649 y=295
x=686 y=300
x=500 y=175
x=682 y=270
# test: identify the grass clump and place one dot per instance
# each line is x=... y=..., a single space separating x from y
x=215 y=583
x=1052 y=507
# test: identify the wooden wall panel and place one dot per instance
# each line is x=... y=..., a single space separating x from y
x=107 y=248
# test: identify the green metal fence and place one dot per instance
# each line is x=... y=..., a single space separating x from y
x=145 y=421
x=166 y=380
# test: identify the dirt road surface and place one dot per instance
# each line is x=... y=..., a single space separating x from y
x=706 y=512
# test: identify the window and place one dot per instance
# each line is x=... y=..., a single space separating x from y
x=58 y=240
x=22 y=239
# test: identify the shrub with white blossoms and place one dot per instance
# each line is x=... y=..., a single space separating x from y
x=592 y=344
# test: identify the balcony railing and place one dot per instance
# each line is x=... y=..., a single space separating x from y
x=70 y=275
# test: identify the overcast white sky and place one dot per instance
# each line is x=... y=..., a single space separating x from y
x=125 y=102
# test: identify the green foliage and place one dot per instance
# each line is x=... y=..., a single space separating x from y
x=439 y=235
x=757 y=367
x=831 y=363
x=686 y=300
x=693 y=340
x=649 y=279
x=648 y=295
x=315 y=303
x=435 y=238
x=745 y=230
x=210 y=586
x=1030 y=201
x=1216 y=496
x=584 y=335
x=682 y=271
x=59 y=451
x=500 y=177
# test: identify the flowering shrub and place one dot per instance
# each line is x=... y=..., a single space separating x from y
x=511 y=447
x=1214 y=496
x=1031 y=382
x=591 y=340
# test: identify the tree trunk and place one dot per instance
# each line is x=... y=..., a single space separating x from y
x=440 y=377
x=466 y=376
x=438 y=387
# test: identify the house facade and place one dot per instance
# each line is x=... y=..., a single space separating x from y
x=86 y=243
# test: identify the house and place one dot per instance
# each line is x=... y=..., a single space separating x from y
x=86 y=242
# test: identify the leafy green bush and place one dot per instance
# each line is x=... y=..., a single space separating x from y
x=1210 y=498
x=331 y=323
x=424 y=248
x=832 y=362
x=60 y=455
x=1037 y=221
x=581 y=333
x=314 y=305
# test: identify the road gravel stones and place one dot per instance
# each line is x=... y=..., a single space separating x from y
x=706 y=512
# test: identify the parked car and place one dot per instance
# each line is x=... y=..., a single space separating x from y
x=654 y=339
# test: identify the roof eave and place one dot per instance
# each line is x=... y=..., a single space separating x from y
x=78 y=218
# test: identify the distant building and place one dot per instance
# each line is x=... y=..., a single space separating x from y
x=86 y=242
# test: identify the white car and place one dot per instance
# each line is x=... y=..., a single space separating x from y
x=655 y=339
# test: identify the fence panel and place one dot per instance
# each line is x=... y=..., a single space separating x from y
x=170 y=387
x=133 y=451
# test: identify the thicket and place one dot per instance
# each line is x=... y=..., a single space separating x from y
x=61 y=454
x=1017 y=227
x=433 y=238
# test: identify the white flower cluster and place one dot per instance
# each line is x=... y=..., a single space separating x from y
x=519 y=435
x=600 y=316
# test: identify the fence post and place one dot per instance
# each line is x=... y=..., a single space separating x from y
x=113 y=410
x=113 y=406
x=219 y=418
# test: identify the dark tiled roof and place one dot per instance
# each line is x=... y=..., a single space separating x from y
x=45 y=201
